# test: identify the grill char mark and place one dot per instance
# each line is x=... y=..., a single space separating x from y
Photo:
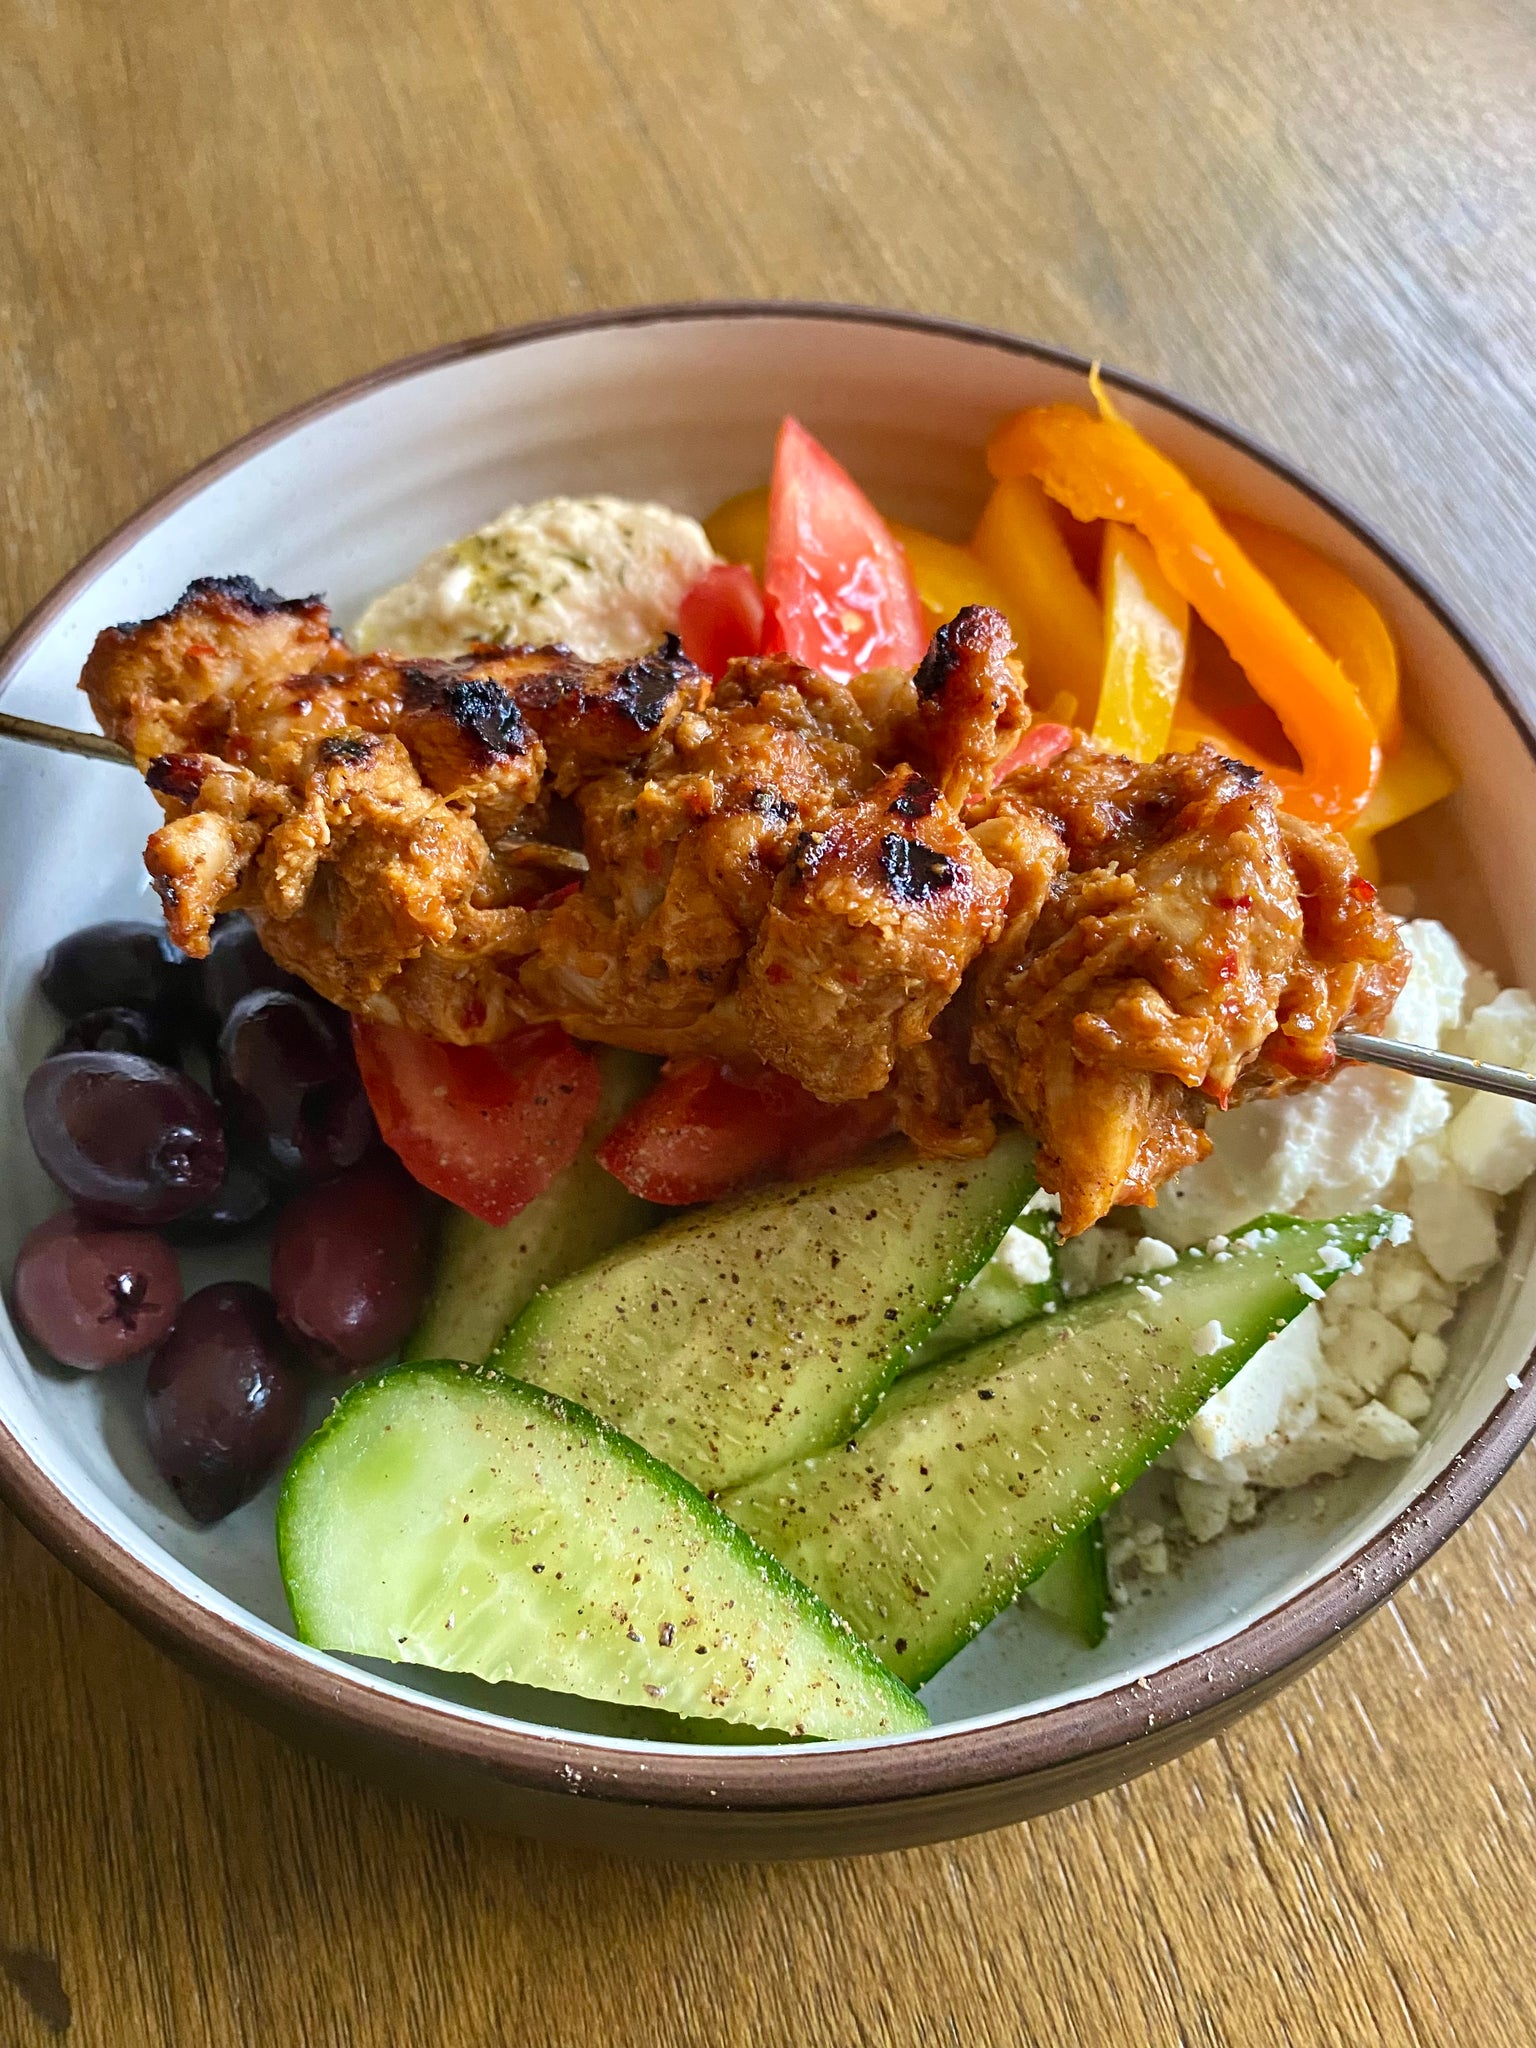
x=483 y=710
x=916 y=800
x=644 y=689
x=968 y=637
x=914 y=871
x=236 y=594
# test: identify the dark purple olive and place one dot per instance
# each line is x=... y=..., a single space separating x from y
x=146 y=1033
x=349 y=1265
x=242 y=1198
x=287 y=1076
x=94 y=1297
x=223 y=1399
x=118 y=963
x=236 y=964
x=129 y=1140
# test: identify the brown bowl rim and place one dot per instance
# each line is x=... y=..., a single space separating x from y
x=1004 y=1748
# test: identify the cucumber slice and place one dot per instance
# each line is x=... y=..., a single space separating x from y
x=446 y=1516
x=998 y=1298
x=762 y=1328
x=486 y=1274
x=1074 y=1587
x=972 y=1475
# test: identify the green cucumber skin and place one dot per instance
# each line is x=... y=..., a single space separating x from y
x=1074 y=1587
x=411 y=1524
x=485 y=1274
x=753 y=1332
x=993 y=1302
x=973 y=1475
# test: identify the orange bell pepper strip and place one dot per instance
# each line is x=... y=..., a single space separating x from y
x=1018 y=541
x=948 y=577
x=1146 y=645
x=1104 y=469
x=1335 y=611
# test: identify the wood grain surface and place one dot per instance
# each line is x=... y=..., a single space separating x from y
x=1317 y=218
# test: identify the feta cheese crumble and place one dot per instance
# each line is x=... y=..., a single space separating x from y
x=1023 y=1257
x=1353 y=1376
x=601 y=576
x=1209 y=1339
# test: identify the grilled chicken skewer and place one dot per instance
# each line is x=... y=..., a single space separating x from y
x=1447 y=1068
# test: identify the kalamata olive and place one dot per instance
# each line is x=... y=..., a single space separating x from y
x=114 y=963
x=287 y=1076
x=94 y=1297
x=242 y=1198
x=120 y=1029
x=235 y=964
x=131 y=1141
x=349 y=1262
x=222 y=1399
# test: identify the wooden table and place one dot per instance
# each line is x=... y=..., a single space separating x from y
x=1316 y=218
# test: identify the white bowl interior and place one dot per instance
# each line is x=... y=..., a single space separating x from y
x=685 y=411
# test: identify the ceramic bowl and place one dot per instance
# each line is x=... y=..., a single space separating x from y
x=681 y=404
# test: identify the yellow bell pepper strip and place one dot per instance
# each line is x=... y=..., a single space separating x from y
x=1412 y=779
x=738 y=529
x=1019 y=542
x=1104 y=469
x=1146 y=644
x=947 y=577
x=1335 y=611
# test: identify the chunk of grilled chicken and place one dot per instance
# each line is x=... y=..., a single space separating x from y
x=1173 y=941
x=873 y=923
x=365 y=811
x=411 y=880
x=167 y=685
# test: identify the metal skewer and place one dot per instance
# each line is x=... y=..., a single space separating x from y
x=1446 y=1067
x=63 y=739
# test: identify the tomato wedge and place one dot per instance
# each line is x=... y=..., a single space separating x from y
x=489 y=1126
x=1038 y=749
x=704 y=1131
x=840 y=592
x=721 y=617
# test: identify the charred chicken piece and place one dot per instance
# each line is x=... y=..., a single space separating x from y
x=872 y=925
x=166 y=685
x=370 y=813
x=1191 y=939
x=684 y=845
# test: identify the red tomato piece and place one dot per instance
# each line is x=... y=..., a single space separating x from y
x=704 y=1131
x=1038 y=749
x=835 y=1133
x=840 y=591
x=721 y=617
x=489 y=1126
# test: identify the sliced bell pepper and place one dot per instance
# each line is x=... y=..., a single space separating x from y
x=1412 y=779
x=1104 y=469
x=947 y=577
x=1146 y=645
x=1019 y=542
x=1335 y=611
x=738 y=529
